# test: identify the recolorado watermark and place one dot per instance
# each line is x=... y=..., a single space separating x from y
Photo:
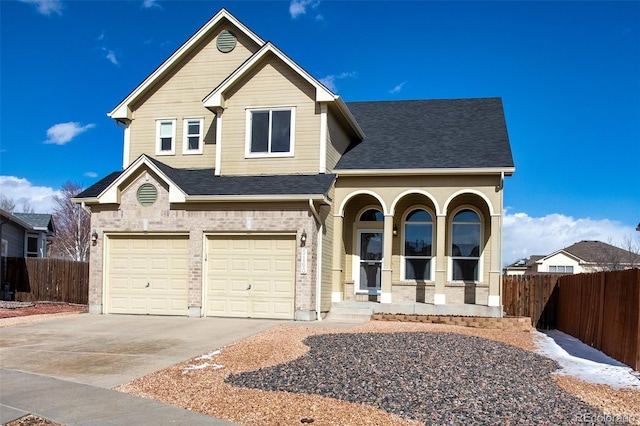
x=587 y=418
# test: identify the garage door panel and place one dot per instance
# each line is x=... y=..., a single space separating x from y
x=267 y=263
x=148 y=275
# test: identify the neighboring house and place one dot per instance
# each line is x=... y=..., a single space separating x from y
x=26 y=234
x=581 y=257
x=249 y=189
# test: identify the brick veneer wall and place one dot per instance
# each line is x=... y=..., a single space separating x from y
x=197 y=220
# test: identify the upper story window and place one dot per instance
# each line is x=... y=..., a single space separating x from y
x=166 y=137
x=270 y=132
x=465 y=246
x=418 y=241
x=192 y=141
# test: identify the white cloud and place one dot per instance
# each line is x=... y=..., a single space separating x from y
x=91 y=174
x=299 y=7
x=525 y=235
x=330 y=80
x=61 y=133
x=22 y=191
x=111 y=56
x=150 y=4
x=46 y=7
x=398 y=88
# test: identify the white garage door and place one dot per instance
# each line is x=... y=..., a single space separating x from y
x=148 y=275
x=251 y=276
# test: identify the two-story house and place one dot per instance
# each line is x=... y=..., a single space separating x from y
x=249 y=189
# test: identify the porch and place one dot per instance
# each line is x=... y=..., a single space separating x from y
x=352 y=310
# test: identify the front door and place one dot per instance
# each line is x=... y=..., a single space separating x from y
x=370 y=261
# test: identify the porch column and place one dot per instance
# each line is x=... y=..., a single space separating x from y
x=387 y=249
x=494 y=272
x=336 y=269
x=441 y=260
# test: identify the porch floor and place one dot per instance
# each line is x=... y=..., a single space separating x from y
x=362 y=311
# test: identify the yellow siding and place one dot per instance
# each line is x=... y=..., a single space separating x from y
x=337 y=141
x=271 y=84
x=179 y=95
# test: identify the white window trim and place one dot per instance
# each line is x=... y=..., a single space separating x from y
x=4 y=248
x=248 y=153
x=185 y=136
x=173 y=122
x=450 y=239
x=432 y=264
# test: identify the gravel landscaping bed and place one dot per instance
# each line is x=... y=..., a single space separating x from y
x=441 y=378
x=382 y=373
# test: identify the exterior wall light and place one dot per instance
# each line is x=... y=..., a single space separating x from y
x=303 y=238
x=395 y=230
x=94 y=238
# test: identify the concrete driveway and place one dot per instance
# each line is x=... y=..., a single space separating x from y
x=110 y=350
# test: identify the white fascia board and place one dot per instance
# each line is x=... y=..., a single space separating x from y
x=111 y=195
x=563 y=252
x=215 y=99
x=350 y=118
x=258 y=198
x=443 y=171
x=122 y=110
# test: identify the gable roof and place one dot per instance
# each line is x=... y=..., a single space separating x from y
x=38 y=221
x=215 y=98
x=442 y=135
x=9 y=217
x=120 y=112
x=204 y=185
x=599 y=252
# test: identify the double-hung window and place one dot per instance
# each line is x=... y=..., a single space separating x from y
x=32 y=249
x=418 y=241
x=465 y=246
x=166 y=137
x=270 y=132
x=192 y=141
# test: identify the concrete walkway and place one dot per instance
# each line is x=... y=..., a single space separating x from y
x=71 y=403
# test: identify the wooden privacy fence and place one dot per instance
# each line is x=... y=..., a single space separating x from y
x=48 y=279
x=533 y=296
x=603 y=311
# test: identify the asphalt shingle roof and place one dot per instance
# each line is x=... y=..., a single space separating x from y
x=204 y=182
x=444 y=133
x=598 y=252
x=36 y=220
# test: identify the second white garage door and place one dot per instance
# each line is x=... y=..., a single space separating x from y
x=148 y=275
x=251 y=276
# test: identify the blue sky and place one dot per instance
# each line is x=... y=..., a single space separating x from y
x=568 y=74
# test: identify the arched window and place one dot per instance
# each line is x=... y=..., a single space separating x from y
x=418 y=241
x=465 y=245
x=372 y=215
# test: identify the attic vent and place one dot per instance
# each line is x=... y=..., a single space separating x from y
x=147 y=194
x=226 y=41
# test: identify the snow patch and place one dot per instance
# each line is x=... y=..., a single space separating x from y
x=584 y=362
x=204 y=365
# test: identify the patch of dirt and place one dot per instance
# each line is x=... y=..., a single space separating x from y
x=31 y=420
x=22 y=309
x=16 y=313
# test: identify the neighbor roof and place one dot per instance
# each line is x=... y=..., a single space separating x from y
x=38 y=221
x=596 y=251
x=204 y=182
x=430 y=134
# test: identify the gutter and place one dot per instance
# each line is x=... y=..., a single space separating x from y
x=507 y=171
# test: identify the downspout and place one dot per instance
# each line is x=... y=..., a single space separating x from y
x=500 y=242
x=315 y=214
x=85 y=208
